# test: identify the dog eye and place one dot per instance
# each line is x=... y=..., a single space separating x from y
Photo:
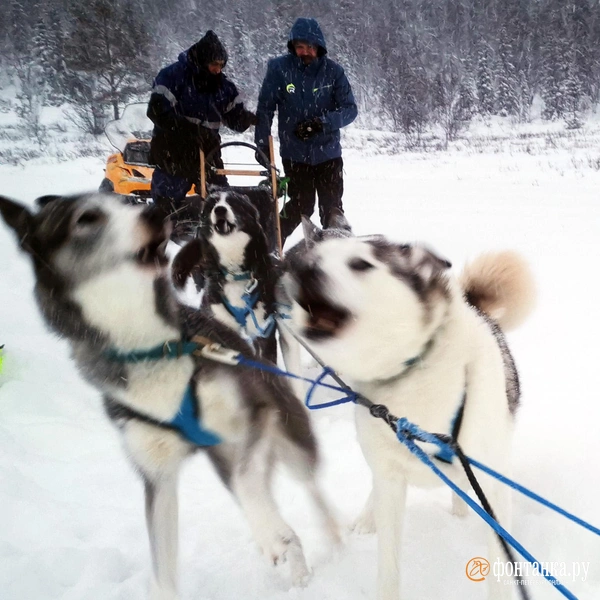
x=358 y=264
x=89 y=217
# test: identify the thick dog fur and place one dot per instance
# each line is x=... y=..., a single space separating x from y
x=399 y=327
x=501 y=285
x=102 y=282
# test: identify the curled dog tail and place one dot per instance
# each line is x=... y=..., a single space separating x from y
x=501 y=285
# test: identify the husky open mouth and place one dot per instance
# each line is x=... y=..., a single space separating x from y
x=324 y=318
x=223 y=226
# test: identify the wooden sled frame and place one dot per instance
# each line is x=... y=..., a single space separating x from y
x=248 y=172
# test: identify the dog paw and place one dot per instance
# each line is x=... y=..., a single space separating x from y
x=301 y=578
x=287 y=548
x=276 y=550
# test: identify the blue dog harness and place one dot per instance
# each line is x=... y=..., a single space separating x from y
x=240 y=314
x=186 y=422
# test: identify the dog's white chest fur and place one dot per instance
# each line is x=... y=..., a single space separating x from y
x=231 y=248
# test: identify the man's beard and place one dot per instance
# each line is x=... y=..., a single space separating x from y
x=205 y=81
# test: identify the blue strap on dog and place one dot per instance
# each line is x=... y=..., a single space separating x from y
x=240 y=314
x=171 y=349
x=187 y=423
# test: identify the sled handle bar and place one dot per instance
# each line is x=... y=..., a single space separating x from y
x=246 y=145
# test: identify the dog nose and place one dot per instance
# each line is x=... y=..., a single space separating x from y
x=220 y=212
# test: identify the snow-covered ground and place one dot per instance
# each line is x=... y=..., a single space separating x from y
x=71 y=509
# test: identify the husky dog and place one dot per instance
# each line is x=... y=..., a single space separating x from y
x=239 y=273
x=409 y=336
x=102 y=282
x=241 y=287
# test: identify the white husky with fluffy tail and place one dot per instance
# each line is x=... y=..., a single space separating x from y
x=407 y=334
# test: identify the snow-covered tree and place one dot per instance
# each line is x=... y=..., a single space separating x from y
x=109 y=44
x=485 y=91
x=508 y=87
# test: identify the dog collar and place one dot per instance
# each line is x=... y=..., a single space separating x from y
x=170 y=349
x=408 y=364
x=236 y=275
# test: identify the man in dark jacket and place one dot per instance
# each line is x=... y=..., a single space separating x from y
x=314 y=101
x=190 y=99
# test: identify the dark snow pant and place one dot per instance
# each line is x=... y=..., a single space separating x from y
x=169 y=193
x=324 y=179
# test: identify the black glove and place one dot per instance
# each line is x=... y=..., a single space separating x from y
x=306 y=129
x=207 y=138
x=263 y=160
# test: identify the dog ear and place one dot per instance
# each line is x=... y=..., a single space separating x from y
x=311 y=232
x=337 y=220
x=18 y=218
x=427 y=264
x=43 y=200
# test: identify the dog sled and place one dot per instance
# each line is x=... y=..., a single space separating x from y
x=128 y=173
x=264 y=196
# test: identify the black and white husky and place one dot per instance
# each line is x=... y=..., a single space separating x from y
x=239 y=273
x=102 y=282
x=241 y=278
x=408 y=335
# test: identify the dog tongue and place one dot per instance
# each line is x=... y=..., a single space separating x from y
x=223 y=226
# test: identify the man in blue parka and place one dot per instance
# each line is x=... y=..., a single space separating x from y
x=314 y=101
x=190 y=100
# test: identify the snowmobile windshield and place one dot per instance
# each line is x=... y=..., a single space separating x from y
x=133 y=124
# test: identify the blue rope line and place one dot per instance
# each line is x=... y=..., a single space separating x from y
x=414 y=431
x=533 y=495
x=350 y=396
x=422 y=455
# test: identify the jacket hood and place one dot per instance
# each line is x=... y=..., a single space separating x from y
x=309 y=31
x=205 y=51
